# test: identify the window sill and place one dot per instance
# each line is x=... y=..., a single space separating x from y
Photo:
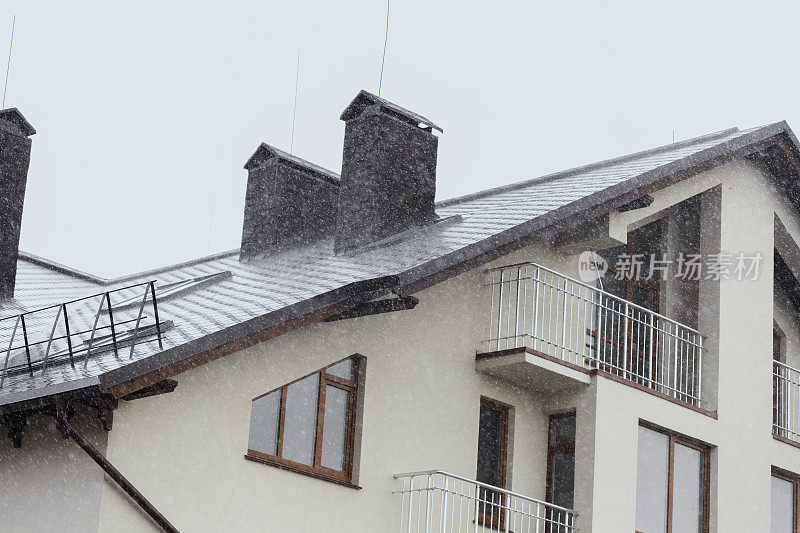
x=297 y=470
x=786 y=441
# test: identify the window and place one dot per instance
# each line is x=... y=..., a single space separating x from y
x=785 y=493
x=634 y=281
x=629 y=277
x=309 y=425
x=492 y=456
x=671 y=483
x=779 y=380
x=561 y=462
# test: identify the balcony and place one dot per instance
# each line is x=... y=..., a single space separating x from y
x=437 y=501
x=786 y=402
x=563 y=320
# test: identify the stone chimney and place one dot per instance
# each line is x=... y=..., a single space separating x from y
x=15 y=156
x=289 y=202
x=388 y=172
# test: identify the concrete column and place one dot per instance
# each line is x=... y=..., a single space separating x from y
x=745 y=370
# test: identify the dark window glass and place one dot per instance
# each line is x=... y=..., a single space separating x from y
x=627 y=279
x=612 y=255
x=645 y=297
x=779 y=410
x=490 y=446
x=614 y=284
x=561 y=460
x=563 y=466
x=492 y=449
x=562 y=430
x=643 y=243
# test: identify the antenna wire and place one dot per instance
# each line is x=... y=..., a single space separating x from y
x=294 y=111
x=385 y=40
x=8 y=64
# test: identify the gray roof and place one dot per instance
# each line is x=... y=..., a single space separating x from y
x=270 y=290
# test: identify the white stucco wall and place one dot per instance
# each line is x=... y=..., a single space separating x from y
x=50 y=484
x=185 y=450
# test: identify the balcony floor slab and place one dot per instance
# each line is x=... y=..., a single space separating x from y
x=533 y=370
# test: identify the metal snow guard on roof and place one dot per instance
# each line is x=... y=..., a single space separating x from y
x=61 y=332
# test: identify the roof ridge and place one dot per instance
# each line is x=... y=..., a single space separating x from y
x=585 y=168
x=291 y=158
x=60 y=267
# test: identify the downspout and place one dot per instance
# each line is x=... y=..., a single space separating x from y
x=113 y=473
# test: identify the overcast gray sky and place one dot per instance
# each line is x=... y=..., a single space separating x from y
x=146 y=111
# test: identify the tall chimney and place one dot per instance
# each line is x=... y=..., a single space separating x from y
x=15 y=156
x=289 y=202
x=388 y=172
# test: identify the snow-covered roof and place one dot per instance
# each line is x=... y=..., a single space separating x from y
x=270 y=290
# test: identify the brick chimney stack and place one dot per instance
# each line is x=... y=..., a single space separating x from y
x=15 y=156
x=289 y=202
x=388 y=172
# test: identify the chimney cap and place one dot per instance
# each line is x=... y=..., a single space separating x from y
x=14 y=116
x=265 y=152
x=365 y=99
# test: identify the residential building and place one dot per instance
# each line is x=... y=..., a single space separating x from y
x=584 y=351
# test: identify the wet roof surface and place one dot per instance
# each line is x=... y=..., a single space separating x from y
x=270 y=284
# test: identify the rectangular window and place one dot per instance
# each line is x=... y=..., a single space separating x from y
x=629 y=277
x=492 y=456
x=672 y=485
x=561 y=460
x=560 y=488
x=785 y=493
x=780 y=379
x=309 y=425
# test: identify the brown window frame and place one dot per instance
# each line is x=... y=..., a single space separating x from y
x=552 y=525
x=554 y=449
x=689 y=442
x=777 y=391
x=498 y=521
x=316 y=470
x=794 y=479
x=632 y=281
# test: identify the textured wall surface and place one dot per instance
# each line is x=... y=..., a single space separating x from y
x=388 y=178
x=15 y=153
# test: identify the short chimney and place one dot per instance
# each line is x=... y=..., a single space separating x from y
x=388 y=172
x=15 y=156
x=289 y=202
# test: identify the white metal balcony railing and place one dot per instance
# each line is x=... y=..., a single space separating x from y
x=536 y=307
x=438 y=501
x=786 y=401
